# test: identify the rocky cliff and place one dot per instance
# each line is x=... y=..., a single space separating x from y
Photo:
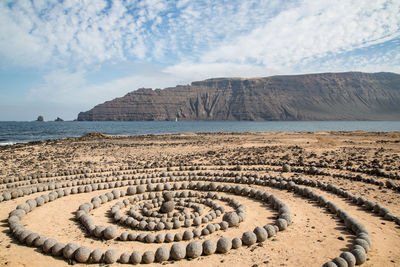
x=326 y=96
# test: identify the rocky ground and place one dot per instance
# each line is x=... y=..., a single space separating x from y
x=326 y=187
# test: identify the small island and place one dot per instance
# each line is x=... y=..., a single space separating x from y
x=40 y=118
x=58 y=119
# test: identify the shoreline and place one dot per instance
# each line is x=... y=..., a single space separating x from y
x=21 y=132
x=109 y=136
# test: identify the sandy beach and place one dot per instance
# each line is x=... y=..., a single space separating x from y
x=364 y=166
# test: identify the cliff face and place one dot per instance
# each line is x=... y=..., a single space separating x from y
x=327 y=96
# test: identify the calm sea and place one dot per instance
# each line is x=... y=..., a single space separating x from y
x=19 y=132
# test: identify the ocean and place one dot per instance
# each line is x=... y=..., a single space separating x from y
x=22 y=132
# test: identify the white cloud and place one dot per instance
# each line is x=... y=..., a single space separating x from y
x=272 y=33
x=313 y=30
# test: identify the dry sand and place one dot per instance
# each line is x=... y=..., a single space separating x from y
x=315 y=237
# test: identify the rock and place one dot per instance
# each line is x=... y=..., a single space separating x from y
x=178 y=251
x=249 y=238
x=110 y=232
x=57 y=249
x=261 y=234
x=282 y=224
x=209 y=247
x=194 y=249
x=48 y=244
x=31 y=238
x=124 y=258
x=38 y=242
x=69 y=249
x=231 y=218
x=236 y=243
x=270 y=230
x=82 y=254
x=110 y=256
x=224 y=245
x=349 y=258
x=363 y=243
x=167 y=206
x=150 y=238
x=169 y=237
x=40 y=118
x=359 y=255
x=167 y=196
x=136 y=257
x=98 y=231
x=162 y=254
x=340 y=262
x=187 y=235
x=96 y=256
x=286 y=168
x=58 y=119
x=148 y=257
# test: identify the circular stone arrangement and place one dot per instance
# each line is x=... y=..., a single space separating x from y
x=193 y=250
x=168 y=201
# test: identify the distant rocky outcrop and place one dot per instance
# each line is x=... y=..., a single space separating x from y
x=326 y=96
x=40 y=118
x=58 y=119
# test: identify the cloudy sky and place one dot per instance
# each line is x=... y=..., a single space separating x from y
x=59 y=57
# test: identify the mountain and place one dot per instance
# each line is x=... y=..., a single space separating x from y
x=325 y=96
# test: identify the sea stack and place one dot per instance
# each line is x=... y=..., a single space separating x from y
x=40 y=118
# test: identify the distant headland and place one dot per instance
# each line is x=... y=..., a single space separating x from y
x=325 y=96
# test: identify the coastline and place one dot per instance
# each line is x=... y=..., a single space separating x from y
x=20 y=132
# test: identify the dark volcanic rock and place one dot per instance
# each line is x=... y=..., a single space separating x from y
x=58 y=119
x=326 y=96
x=40 y=118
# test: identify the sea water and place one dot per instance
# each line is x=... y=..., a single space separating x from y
x=21 y=132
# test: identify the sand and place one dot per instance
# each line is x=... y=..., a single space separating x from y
x=315 y=237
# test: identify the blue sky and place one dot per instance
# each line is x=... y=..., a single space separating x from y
x=61 y=57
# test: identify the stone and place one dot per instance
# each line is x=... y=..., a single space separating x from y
x=340 y=262
x=57 y=249
x=96 y=256
x=167 y=206
x=110 y=256
x=69 y=249
x=178 y=251
x=48 y=244
x=187 y=235
x=110 y=232
x=82 y=254
x=249 y=238
x=261 y=234
x=194 y=249
x=209 y=247
x=231 y=218
x=124 y=258
x=148 y=257
x=282 y=224
x=162 y=254
x=224 y=244
x=349 y=258
x=236 y=243
x=359 y=255
x=136 y=257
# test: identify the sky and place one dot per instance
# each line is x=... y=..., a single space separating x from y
x=60 y=57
